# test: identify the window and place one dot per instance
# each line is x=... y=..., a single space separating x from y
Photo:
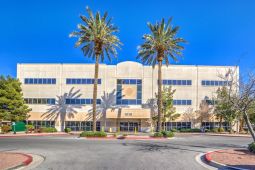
x=212 y=125
x=177 y=125
x=82 y=125
x=177 y=82
x=182 y=102
x=40 y=81
x=137 y=101
x=81 y=101
x=41 y=123
x=81 y=81
x=50 y=101
x=215 y=83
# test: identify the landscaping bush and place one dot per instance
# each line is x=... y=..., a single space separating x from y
x=30 y=128
x=67 y=130
x=169 y=134
x=174 y=130
x=218 y=130
x=158 y=134
x=47 y=130
x=6 y=128
x=190 y=130
x=251 y=147
x=221 y=130
x=93 y=134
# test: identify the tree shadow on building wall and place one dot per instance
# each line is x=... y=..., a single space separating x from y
x=61 y=109
x=108 y=101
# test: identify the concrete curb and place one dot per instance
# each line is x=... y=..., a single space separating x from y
x=213 y=163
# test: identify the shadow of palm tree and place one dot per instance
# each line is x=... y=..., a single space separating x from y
x=61 y=109
x=108 y=101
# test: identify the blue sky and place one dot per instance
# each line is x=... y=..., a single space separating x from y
x=219 y=32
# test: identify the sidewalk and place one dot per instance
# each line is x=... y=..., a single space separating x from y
x=232 y=158
x=23 y=134
x=215 y=134
x=10 y=160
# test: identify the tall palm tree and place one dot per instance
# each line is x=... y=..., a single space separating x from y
x=160 y=46
x=97 y=39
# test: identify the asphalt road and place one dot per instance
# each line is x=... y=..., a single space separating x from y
x=75 y=153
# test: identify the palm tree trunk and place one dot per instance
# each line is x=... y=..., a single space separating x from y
x=159 y=127
x=95 y=92
x=248 y=123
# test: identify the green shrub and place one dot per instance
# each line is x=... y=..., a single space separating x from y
x=174 y=130
x=158 y=134
x=251 y=147
x=190 y=130
x=195 y=130
x=207 y=130
x=125 y=134
x=30 y=128
x=6 y=128
x=214 y=130
x=67 y=130
x=169 y=134
x=93 y=134
x=221 y=130
x=217 y=130
x=47 y=130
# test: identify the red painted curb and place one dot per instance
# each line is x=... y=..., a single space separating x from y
x=28 y=160
x=208 y=157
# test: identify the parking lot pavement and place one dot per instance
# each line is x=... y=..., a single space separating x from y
x=70 y=152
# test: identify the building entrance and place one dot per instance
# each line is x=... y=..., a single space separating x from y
x=130 y=126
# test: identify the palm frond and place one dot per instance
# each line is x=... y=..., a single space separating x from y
x=96 y=35
x=162 y=37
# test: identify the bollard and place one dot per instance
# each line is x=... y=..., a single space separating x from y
x=135 y=130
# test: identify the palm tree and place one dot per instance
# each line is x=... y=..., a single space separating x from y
x=97 y=39
x=160 y=46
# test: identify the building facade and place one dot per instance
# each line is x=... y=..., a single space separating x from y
x=60 y=95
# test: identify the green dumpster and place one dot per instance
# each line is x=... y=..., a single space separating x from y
x=18 y=127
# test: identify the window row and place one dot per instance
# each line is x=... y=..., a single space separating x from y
x=41 y=123
x=212 y=125
x=128 y=102
x=81 y=126
x=82 y=81
x=215 y=83
x=182 y=102
x=82 y=101
x=40 y=81
x=129 y=81
x=177 y=82
x=177 y=125
x=40 y=101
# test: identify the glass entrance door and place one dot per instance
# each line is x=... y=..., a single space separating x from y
x=129 y=126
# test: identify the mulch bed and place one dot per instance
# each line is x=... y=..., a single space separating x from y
x=240 y=158
x=9 y=160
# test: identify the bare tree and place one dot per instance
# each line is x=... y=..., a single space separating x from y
x=204 y=111
x=241 y=95
x=189 y=116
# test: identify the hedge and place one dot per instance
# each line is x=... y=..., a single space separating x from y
x=93 y=134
